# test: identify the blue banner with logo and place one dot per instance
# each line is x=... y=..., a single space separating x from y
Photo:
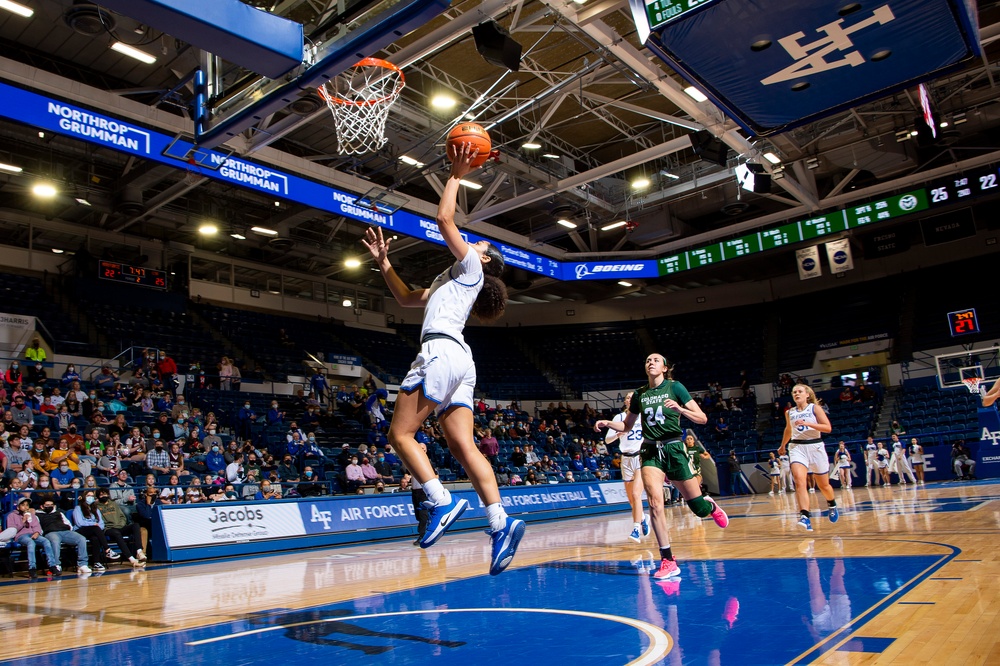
x=368 y=512
x=609 y=270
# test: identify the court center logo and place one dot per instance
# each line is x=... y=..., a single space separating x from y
x=811 y=58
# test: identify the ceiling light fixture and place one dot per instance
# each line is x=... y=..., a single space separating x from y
x=943 y=124
x=695 y=94
x=613 y=225
x=471 y=185
x=640 y=183
x=264 y=230
x=567 y=224
x=56 y=250
x=914 y=133
x=10 y=167
x=531 y=145
x=44 y=190
x=443 y=102
x=812 y=163
x=406 y=159
x=352 y=263
x=902 y=135
x=208 y=229
x=347 y=303
x=667 y=174
x=238 y=236
x=17 y=8
x=132 y=52
x=624 y=283
x=550 y=156
x=959 y=118
x=772 y=158
x=82 y=201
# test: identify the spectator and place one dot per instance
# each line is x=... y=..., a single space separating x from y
x=354 y=477
x=287 y=470
x=13 y=375
x=310 y=488
x=105 y=380
x=226 y=375
x=90 y=524
x=58 y=530
x=29 y=534
x=896 y=429
x=70 y=377
x=21 y=413
x=37 y=374
x=721 y=428
x=865 y=393
x=266 y=492
x=122 y=494
x=368 y=471
x=961 y=456
x=215 y=462
x=158 y=460
x=576 y=464
x=518 y=458
x=234 y=470
x=117 y=527
x=569 y=478
x=167 y=369
x=490 y=447
x=245 y=419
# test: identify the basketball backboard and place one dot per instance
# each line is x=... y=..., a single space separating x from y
x=953 y=369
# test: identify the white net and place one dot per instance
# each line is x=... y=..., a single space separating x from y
x=360 y=98
x=972 y=383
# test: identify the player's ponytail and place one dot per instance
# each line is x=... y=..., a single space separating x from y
x=492 y=300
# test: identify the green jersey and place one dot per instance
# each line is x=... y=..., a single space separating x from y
x=658 y=422
x=694 y=453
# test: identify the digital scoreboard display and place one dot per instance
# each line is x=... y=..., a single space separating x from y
x=661 y=12
x=146 y=277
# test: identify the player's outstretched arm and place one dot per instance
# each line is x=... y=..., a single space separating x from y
x=378 y=246
x=461 y=157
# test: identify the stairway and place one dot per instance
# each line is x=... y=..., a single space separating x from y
x=886 y=411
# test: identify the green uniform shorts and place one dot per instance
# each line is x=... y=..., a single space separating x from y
x=670 y=456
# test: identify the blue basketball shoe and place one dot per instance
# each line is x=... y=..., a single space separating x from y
x=805 y=523
x=441 y=518
x=645 y=524
x=505 y=543
x=834 y=514
x=635 y=533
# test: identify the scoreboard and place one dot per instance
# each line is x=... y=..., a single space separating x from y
x=146 y=277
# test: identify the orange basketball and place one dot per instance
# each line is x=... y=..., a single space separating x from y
x=475 y=134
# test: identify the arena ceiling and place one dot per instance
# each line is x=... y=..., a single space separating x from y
x=604 y=111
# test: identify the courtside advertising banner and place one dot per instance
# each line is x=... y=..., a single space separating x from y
x=15 y=331
x=228 y=522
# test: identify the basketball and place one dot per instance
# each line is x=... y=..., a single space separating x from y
x=475 y=134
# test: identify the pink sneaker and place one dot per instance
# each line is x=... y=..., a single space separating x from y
x=732 y=611
x=668 y=569
x=718 y=515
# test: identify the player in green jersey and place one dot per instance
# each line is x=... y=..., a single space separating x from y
x=660 y=405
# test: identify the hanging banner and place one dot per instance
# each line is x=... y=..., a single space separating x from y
x=808 y=261
x=839 y=254
x=15 y=331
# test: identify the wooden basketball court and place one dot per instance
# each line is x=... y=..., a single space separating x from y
x=908 y=575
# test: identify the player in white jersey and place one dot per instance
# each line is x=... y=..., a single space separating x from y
x=804 y=425
x=786 y=473
x=443 y=376
x=774 y=471
x=917 y=458
x=871 y=464
x=630 y=444
x=882 y=458
x=842 y=459
x=899 y=464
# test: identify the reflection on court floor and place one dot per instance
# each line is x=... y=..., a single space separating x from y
x=581 y=613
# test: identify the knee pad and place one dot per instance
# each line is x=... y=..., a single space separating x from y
x=700 y=506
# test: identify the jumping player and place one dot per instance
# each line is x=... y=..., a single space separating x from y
x=661 y=404
x=991 y=396
x=804 y=426
x=630 y=443
x=443 y=376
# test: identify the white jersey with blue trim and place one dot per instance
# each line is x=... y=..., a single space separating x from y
x=803 y=431
x=629 y=442
x=451 y=297
x=870 y=450
x=785 y=462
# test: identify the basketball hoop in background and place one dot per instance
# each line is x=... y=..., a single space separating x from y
x=972 y=383
x=359 y=99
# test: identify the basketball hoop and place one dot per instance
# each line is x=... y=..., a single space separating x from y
x=359 y=99
x=972 y=383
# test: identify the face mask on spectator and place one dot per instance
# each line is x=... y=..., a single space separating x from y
x=156 y=434
x=247 y=406
x=215 y=449
x=309 y=474
x=312 y=439
x=211 y=431
x=90 y=499
x=63 y=468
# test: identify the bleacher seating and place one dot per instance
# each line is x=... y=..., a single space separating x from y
x=25 y=295
x=925 y=409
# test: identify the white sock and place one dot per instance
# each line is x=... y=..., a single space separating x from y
x=497 y=516
x=436 y=492
x=636 y=525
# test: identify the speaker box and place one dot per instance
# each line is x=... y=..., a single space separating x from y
x=708 y=148
x=494 y=43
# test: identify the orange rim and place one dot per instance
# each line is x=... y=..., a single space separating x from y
x=366 y=62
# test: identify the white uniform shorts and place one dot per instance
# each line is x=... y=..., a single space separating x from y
x=813 y=456
x=446 y=373
x=631 y=466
